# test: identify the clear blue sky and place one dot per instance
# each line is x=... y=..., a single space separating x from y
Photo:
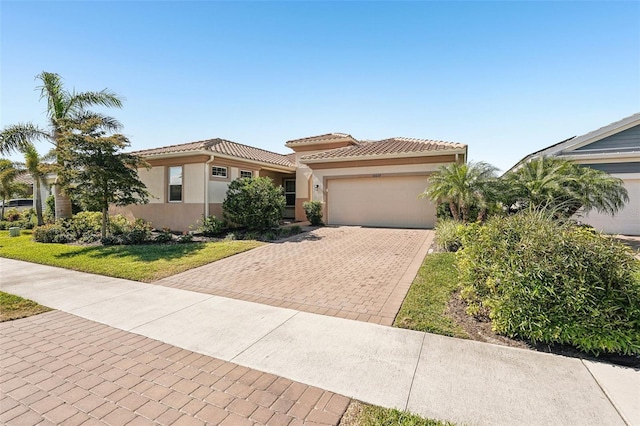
x=506 y=78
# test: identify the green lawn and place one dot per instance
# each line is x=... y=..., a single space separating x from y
x=14 y=307
x=141 y=263
x=378 y=416
x=424 y=307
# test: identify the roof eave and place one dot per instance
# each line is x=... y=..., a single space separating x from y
x=385 y=156
x=263 y=164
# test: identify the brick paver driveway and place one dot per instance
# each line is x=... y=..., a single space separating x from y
x=348 y=272
x=57 y=368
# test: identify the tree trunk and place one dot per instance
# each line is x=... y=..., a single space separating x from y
x=63 y=203
x=105 y=219
x=454 y=210
x=38 y=201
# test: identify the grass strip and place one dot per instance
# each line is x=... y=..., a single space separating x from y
x=424 y=308
x=378 y=416
x=144 y=263
x=14 y=307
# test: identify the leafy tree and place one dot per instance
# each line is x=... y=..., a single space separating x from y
x=463 y=186
x=255 y=203
x=63 y=109
x=8 y=185
x=96 y=172
x=563 y=187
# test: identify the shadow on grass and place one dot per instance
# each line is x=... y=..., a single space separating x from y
x=144 y=252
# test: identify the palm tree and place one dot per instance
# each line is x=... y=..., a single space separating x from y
x=564 y=188
x=463 y=186
x=8 y=185
x=35 y=165
x=63 y=108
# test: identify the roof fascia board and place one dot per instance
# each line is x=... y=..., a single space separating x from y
x=384 y=156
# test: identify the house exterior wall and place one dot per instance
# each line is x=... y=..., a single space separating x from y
x=626 y=140
x=196 y=178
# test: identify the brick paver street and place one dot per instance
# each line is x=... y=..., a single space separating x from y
x=57 y=368
x=348 y=272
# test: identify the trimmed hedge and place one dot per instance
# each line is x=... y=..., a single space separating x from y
x=551 y=282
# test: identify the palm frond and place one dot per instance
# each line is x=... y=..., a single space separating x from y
x=18 y=137
x=105 y=97
x=53 y=91
x=104 y=122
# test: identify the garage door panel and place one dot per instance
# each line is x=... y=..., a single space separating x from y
x=381 y=201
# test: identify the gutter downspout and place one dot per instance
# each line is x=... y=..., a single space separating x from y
x=206 y=186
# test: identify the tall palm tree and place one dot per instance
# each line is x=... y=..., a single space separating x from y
x=36 y=166
x=63 y=107
x=563 y=187
x=463 y=186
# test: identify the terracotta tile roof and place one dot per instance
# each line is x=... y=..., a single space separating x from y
x=25 y=178
x=225 y=147
x=386 y=147
x=321 y=138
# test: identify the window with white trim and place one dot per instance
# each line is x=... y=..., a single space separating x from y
x=220 y=172
x=175 y=184
x=246 y=174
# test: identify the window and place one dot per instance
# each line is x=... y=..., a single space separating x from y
x=290 y=192
x=220 y=172
x=246 y=174
x=175 y=184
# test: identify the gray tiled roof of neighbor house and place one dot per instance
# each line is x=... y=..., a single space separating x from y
x=386 y=147
x=225 y=147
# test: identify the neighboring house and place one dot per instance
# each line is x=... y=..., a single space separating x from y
x=614 y=149
x=367 y=183
x=45 y=186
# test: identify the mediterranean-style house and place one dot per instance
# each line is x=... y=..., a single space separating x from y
x=367 y=183
x=614 y=149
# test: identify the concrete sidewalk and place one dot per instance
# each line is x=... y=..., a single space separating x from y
x=435 y=376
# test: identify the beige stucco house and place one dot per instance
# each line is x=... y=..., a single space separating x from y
x=367 y=183
x=615 y=149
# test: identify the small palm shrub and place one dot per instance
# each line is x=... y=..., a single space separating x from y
x=449 y=234
x=552 y=282
x=313 y=211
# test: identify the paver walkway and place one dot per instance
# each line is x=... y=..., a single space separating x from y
x=347 y=272
x=57 y=368
x=439 y=377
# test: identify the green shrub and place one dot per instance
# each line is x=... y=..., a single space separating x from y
x=185 y=238
x=4 y=225
x=12 y=215
x=254 y=203
x=449 y=234
x=295 y=229
x=210 y=226
x=139 y=232
x=51 y=233
x=552 y=282
x=163 y=237
x=313 y=211
x=85 y=224
x=119 y=224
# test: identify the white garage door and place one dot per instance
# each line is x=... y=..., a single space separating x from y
x=380 y=201
x=626 y=221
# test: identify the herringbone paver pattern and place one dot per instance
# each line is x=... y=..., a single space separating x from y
x=56 y=368
x=347 y=272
